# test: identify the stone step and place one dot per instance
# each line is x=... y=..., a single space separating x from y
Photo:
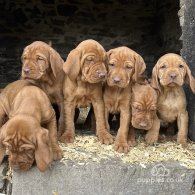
x=107 y=177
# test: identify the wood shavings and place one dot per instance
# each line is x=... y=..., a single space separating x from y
x=87 y=148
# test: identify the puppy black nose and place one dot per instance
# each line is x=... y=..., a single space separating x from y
x=116 y=79
x=173 y=76
x=26 y=70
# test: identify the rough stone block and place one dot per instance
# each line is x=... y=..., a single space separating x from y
x=105 y=178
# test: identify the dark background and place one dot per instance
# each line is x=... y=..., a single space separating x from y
x=150 y=27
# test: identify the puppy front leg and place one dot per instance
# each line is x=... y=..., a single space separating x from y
x=52 y=127
x=103 y=135
x=107 y=119
x=120 y=144
x=182 y=122
x=131 y=136
x=61 y=119
x=153 y=133
x=68 y=135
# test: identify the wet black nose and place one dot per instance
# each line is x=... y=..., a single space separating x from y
x=173 y=76
x=116 y=79
x=26 y=70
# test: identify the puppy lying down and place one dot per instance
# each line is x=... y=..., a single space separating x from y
x=144 y=107
x=30 y=134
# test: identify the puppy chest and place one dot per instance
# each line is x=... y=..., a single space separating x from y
x=114 y=106
x=168 y=110
x=82 y=101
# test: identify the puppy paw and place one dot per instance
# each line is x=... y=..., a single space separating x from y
x=151 y=139
x=182 y=141
x=121 y=147
x=67 y=138
x=57 y=153
x=105 y=138
x=132 y=143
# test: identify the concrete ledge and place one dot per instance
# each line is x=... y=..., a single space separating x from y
x=105 y=178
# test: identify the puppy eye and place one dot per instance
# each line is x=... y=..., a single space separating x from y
x=163 y=66
x=112 y=65
x=129 y=67
x=40 y=58
x=137 y=107
x=89 y=58
x=181 y=66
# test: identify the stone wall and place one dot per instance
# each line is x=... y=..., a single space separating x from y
x=149 y=27
x=188 y=52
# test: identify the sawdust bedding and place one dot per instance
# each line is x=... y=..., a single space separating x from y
x=87 y=148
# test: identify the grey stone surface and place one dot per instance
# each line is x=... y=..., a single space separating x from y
x=105 y=178
x=4 y=180
x=188 y=52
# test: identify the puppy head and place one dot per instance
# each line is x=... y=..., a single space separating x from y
x=26 y=142
x=144 y=105
x=171 y=71
x=124 y=66
x=38 y=59
x=89 y=58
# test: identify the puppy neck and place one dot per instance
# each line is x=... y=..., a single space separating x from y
x=47 y=78
x=171 y=91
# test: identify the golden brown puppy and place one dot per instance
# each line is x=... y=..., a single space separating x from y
x=168 y=76
x=42 y=65
x=144 y=107
x=85 y=71
x=124 y=67
x=30 y=133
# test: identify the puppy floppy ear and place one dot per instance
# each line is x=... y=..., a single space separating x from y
x=154 y=81
x=56 y=61
x=43 y=151
x=190 y=79
x=140 y=67
x=108 y=54
x=72 y=65
x=2 y=147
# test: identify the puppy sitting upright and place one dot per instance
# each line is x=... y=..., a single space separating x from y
x=144 y=107
x=85 y=71
x=29 y=111
x=124 y=67
x=168 y=77
x=42 y=65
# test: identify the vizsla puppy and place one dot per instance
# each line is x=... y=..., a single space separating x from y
x=144 y=107
x=30 y=133
x=168 y=76
x=85 y=71
x=42 y=65
x=124 y=67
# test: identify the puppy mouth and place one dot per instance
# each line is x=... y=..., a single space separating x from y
x=118 y=84
x=172 y=84
x=31 y=77
x=138 y=125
